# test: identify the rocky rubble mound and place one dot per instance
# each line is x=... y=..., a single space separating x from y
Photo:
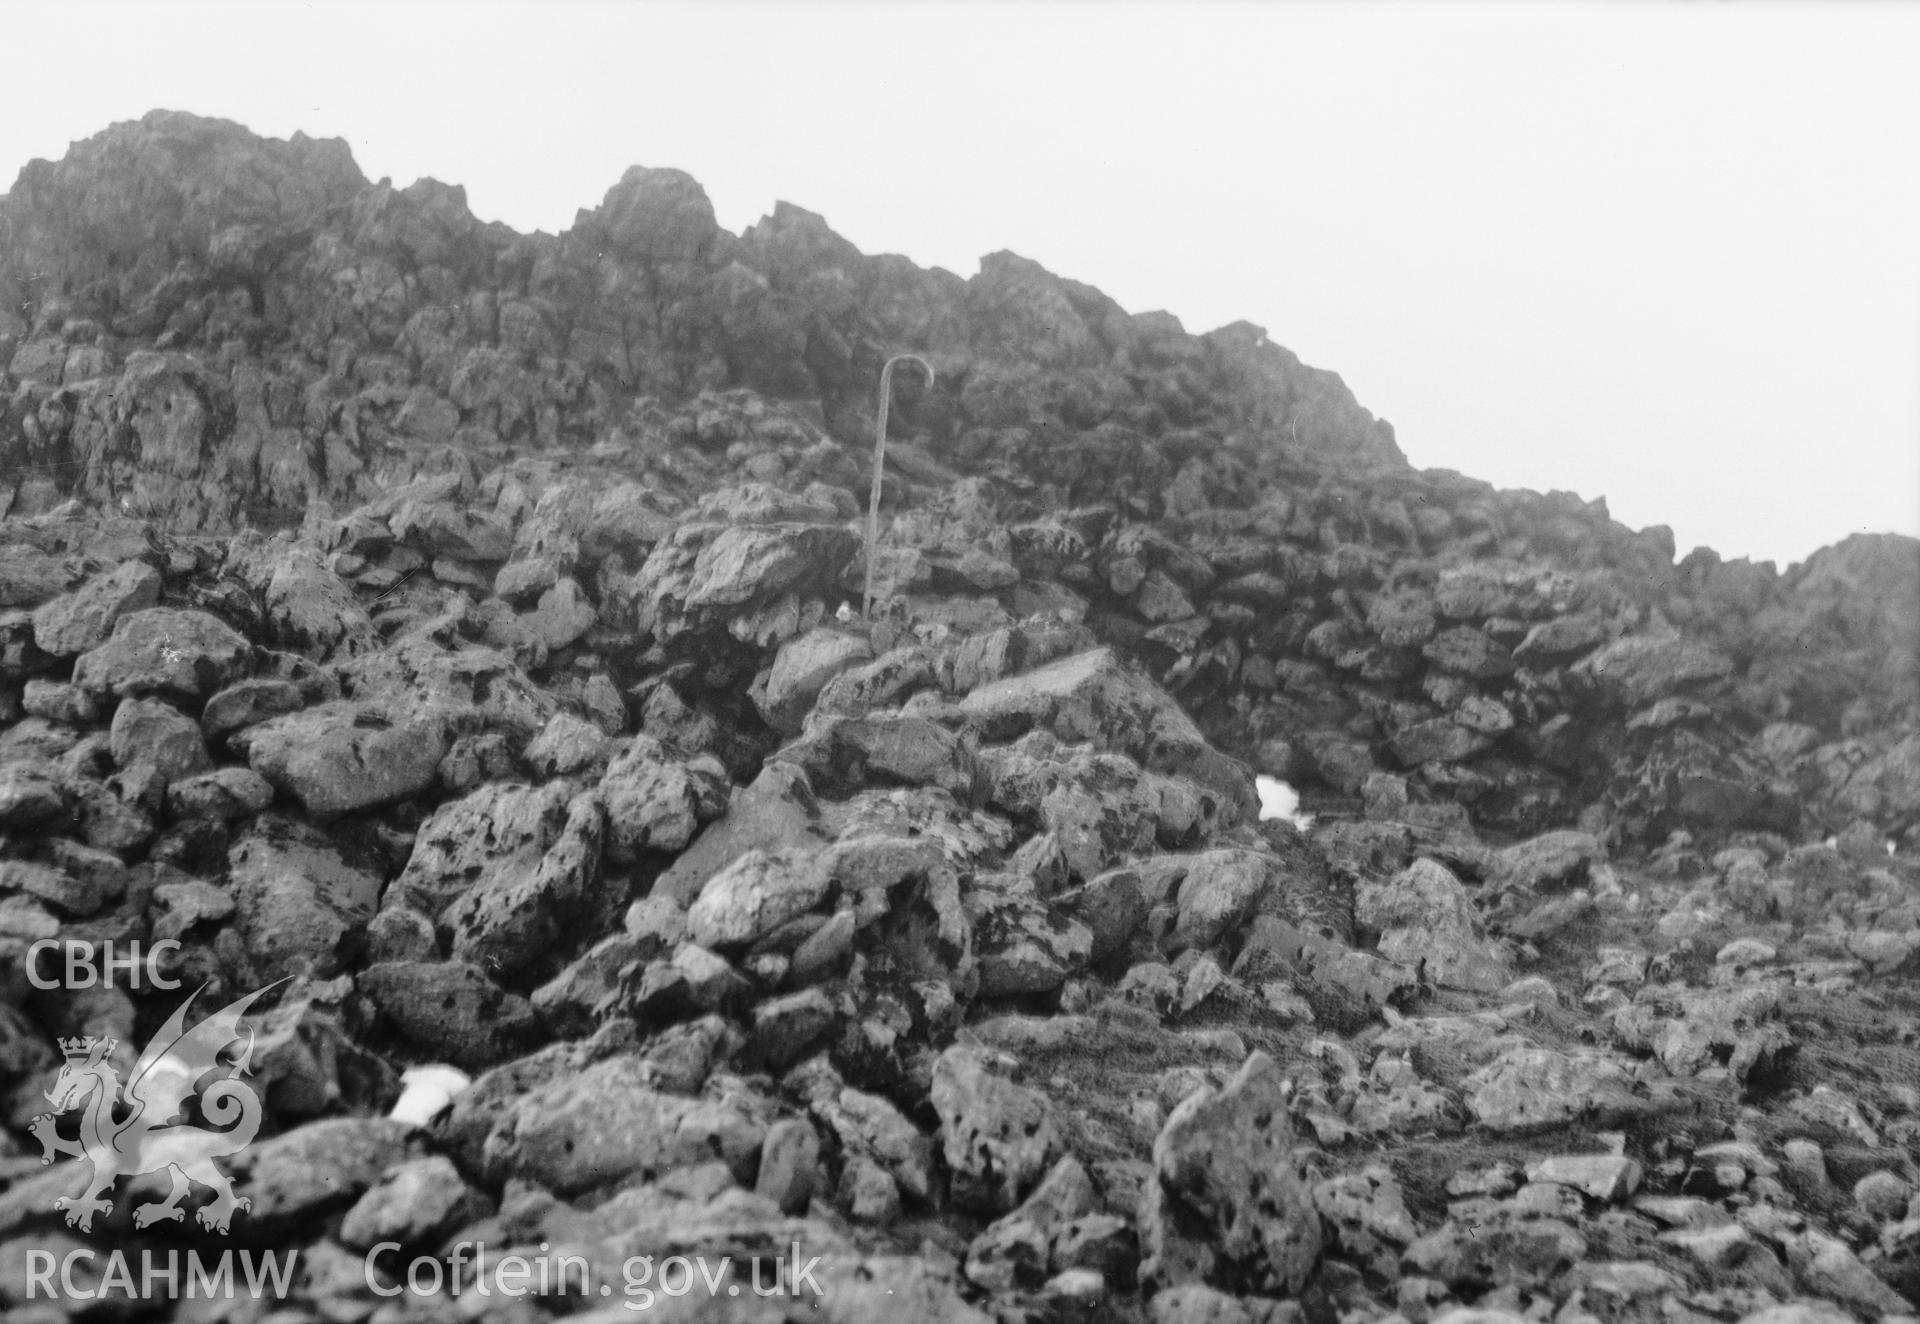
x=456 y=630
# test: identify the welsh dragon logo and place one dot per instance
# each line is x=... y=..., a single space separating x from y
x=152 y=1134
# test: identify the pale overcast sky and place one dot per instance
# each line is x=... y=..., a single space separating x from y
x=1664 y=253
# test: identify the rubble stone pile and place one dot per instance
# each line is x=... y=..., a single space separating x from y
x=457 y=631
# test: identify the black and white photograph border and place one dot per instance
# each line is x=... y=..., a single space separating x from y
x=960 y=662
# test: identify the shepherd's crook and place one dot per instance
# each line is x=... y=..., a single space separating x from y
x=879 y=465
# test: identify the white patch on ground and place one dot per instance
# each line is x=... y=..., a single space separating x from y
x=426 y=1092
x=1279 y=800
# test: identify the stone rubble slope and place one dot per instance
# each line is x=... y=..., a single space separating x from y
x=454 y=624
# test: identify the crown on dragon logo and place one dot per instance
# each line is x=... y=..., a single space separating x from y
x=80 y=1049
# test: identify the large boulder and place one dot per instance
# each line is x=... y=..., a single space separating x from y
x=419 y=675
x=444 y=528
x=153 y=734
x=343 y=756
x=843 y=754
x=249 y=703
x=755 y=895
x=29 y=576
x=1427 y=920
x=1227 y=1205
x=610 y=1122
x=707 y=571
x=776 y=809
x=165 y=650
x=656 y=802
x=998 y=1135
x=506 y=872
x=308 y=609
x=1528 y=1088
x=305 y=1174
x=801 y=670
x=301 y=904
x=450 y=1010
x=1023 y=945
x=1093 y=696
x=84 y=619
x=655 y=215
x=1638 y=669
